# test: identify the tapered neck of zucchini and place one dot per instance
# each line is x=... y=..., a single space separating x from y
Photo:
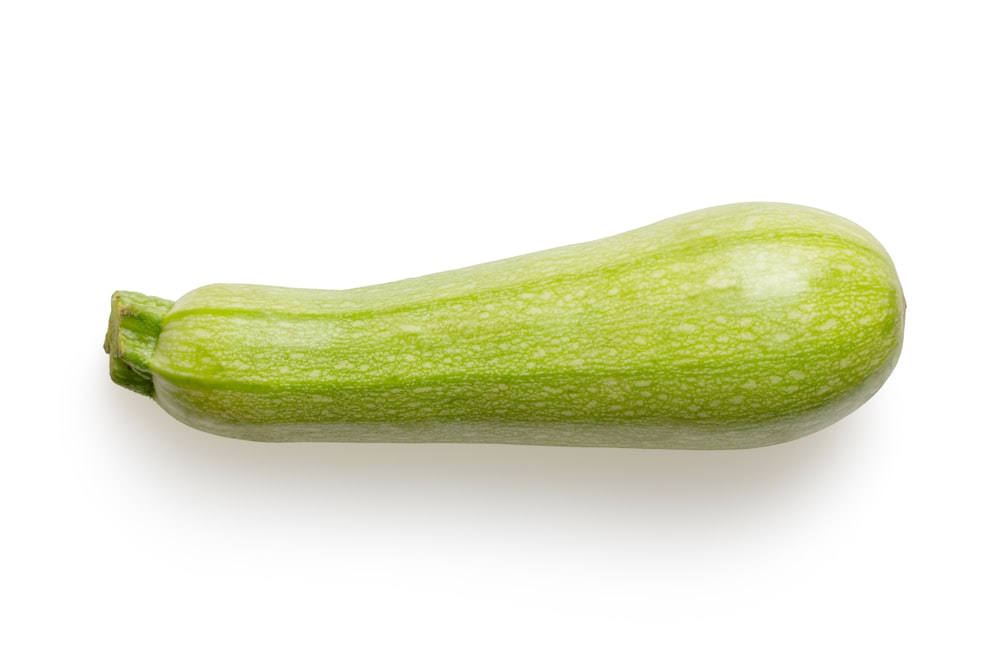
x=134 y=326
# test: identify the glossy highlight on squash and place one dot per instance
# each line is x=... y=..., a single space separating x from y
x=736 y=326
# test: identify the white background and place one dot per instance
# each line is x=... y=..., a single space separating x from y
x=161 y=146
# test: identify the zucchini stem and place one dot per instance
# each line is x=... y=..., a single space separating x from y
x=134 y=326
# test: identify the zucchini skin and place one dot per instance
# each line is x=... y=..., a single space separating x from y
x=731 y=327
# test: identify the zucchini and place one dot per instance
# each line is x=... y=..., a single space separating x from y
x=730 y=327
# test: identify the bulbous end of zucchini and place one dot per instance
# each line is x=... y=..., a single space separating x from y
x=134 y=326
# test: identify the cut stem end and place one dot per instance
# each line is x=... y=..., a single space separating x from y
x=134 y=326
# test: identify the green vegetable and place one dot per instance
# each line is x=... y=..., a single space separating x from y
x=735 y=326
